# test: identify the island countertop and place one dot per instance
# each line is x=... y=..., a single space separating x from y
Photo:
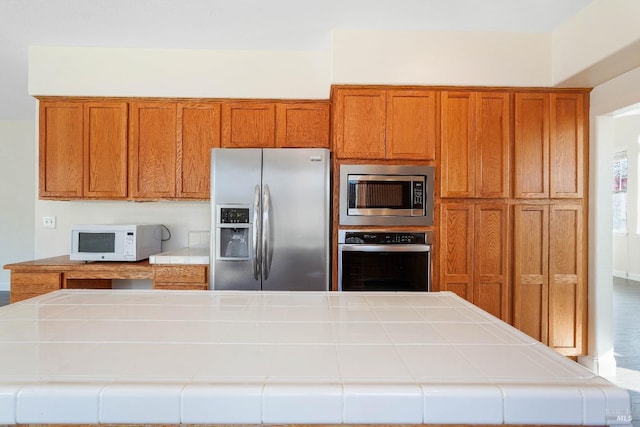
x=221 y=357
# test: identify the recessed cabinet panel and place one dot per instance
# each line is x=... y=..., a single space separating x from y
x=249 y=124
x=105 y=129
x=61 y=149
x=458 y=110
x=360 y=123
x=531 y=285
x=411 y=125
x=491 y=266
x=492 y=144
x=567 y=296
x=198 y=133
x=566 y=145
x=531 y=153
x=303 y=125
x=153 y=150
x=456 y=260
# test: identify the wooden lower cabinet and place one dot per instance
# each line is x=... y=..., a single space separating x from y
x=194 y=277
x=474 y=254
x=37 y=277
x=28 y=285
x=549 y=275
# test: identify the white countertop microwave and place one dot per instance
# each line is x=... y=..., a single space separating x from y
x=115 y=242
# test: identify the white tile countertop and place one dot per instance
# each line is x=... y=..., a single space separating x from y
x=221 y=357
x=188 y=255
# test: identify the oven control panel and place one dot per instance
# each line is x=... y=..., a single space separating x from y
x=384 y=238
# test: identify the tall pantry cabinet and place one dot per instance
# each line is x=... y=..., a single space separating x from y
x=549 y=219
x=474 y=185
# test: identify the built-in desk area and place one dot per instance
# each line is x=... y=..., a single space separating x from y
x=37 y=277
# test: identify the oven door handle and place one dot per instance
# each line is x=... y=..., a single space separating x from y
x=346 y=247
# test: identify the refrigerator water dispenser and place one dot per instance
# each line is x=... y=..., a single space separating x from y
x=233 y=239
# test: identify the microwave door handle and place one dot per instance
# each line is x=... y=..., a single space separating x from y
x=267 y=237
x=255 y=239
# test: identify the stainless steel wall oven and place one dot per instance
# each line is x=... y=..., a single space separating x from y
x=384 y=260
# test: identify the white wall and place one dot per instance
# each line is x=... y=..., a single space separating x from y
x=17 y=188
x=626 y=247
x=605 y=99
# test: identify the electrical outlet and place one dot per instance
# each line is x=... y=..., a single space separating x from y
x=49 y=221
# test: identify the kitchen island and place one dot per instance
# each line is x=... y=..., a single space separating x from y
x=224 y=357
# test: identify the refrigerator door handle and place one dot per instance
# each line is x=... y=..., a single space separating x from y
x=267 y=238
x=255 y=239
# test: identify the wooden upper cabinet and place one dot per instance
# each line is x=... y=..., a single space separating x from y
x=105 y=154
x=83 y=149
x=474 y=153
x=152 y=155
x=249 y=124
x=411 y=124
x=359 y=123
x=303 y=125
x=531 y=151
x=566 y=145
x=198 y=133
x=61 y=149
x=457 y=149
x=549 y=145
x=384 y=123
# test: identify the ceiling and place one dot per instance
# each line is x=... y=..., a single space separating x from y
x=238 y=24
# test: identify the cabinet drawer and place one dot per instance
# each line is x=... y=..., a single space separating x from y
x=35 y=282
x=180 y=273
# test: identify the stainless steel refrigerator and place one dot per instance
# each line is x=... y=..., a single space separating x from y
x=270 y=213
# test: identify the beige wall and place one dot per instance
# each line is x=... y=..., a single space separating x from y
x=17 y=191
x=626 y=247
x=441 y=58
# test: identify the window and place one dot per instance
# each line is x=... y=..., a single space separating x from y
x=620 y=166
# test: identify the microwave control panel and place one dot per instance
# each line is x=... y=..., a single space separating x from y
x=418 y=194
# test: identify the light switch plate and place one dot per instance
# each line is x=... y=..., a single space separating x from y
x=49 y=221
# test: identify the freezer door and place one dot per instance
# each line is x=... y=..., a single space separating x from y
x=235 y=174
x=296 y=226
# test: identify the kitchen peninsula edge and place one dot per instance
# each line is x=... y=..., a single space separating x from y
x=41 y=276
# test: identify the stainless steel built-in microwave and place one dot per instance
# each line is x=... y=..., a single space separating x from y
x=386 y=195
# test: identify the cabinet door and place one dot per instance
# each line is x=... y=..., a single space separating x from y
x=153 y=150
x=303 y=125
x=567 y=289
x=456 y=246
x=492 y=145
x=566 y=145
x=457 y=154
x=531 y=151
x=249 y=125
x=198 y=133
x=411 y=125
x=530 y=264
x=60 y=149
x=491 y=277
x=359 y=123
x=105 y=154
